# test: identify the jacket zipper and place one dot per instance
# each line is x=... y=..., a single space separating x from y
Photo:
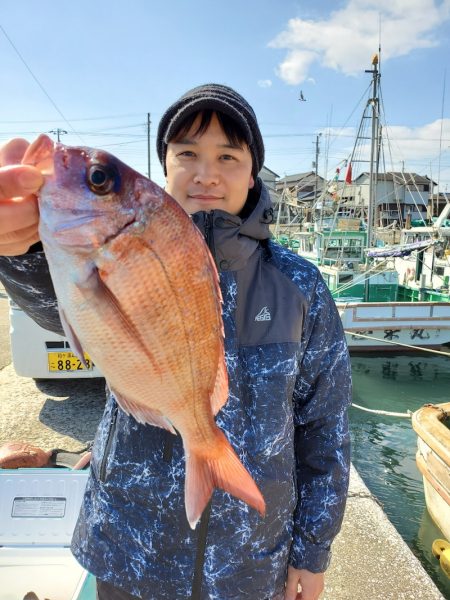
x=200 y=555
x=109 y=439
x=209 y=232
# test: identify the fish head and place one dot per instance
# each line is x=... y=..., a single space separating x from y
x=89 y=196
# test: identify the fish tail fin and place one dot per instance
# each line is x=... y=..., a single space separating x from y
x=220 y=469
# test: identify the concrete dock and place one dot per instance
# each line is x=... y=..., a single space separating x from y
x=370 y=559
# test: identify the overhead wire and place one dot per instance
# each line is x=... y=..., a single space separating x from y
x=56 y=107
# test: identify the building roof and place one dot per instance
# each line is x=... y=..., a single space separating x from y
x=401 y=178
x=294 y=177
x=299 y=178
x=264 y=168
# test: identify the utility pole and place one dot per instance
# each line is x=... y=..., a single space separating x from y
x=148 y=146
x=58 y=132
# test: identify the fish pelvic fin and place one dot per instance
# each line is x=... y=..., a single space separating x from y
x=74 y=342
x=223 y=470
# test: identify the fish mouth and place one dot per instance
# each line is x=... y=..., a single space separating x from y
x=82 y=219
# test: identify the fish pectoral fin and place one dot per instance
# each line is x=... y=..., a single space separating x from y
x=142 y=414
x=75 y=344
x=222 y=470
x=220 y=392
x=99 y=293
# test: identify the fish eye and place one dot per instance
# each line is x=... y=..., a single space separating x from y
x=101 y=179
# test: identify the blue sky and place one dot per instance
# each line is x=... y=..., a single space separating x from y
x=105 y=64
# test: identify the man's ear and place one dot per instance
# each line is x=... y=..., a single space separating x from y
x=251 y=182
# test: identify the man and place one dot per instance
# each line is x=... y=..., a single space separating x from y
x=289 y=380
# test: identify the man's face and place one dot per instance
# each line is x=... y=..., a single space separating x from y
x=206 y=172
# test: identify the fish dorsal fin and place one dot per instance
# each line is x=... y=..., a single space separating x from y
x=220 y=392
x=142 y=414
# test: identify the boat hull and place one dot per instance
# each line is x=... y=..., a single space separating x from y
x=433 y=461
x=371 y=326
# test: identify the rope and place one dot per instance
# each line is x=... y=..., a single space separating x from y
x=366 y=495
x=406 y=415
x=421 y=348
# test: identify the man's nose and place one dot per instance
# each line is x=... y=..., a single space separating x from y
x=207 y=173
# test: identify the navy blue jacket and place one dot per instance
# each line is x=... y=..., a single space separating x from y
x=286 y=417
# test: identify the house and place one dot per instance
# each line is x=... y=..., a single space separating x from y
x=269 y=177
x=436 y=203
x=399 y=196
x=304 y=186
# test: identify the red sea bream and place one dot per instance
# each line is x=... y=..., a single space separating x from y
x=138 y=290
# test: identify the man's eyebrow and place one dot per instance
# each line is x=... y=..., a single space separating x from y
x=185 y=141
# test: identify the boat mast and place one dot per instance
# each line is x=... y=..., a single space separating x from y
x=374 y=156
x=373 y=175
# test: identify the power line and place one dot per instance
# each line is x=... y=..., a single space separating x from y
x=38 y=82
x=103 y=117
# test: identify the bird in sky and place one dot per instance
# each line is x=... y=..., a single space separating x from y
x=302 y=97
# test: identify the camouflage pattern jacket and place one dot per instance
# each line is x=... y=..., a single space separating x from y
x=286 y=416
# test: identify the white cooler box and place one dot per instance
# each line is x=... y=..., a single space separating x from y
x=38 y=512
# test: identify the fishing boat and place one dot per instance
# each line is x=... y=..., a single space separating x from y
x=432 y=425
x=382 y=304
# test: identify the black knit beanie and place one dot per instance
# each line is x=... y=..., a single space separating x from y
x=216 y=97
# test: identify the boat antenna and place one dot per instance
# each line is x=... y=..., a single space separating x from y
x=379 y=41
x=440 y=141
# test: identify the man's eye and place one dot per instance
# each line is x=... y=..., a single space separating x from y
x=187 y=153
x=228 y=157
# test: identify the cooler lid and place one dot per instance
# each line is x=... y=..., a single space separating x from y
x=39 y=507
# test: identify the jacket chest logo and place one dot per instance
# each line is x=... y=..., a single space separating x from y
x=263 y=315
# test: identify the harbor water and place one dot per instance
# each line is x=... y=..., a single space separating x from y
x=384 y=447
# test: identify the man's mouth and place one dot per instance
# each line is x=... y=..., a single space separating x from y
x=209 y=197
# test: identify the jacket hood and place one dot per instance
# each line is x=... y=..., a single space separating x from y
x=232 y=239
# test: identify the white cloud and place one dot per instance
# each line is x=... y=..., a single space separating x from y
x=349 y=37
x=417 y=147
x=420 y=143
x=264 y=83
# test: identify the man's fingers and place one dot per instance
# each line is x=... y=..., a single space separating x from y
x=16 y=215
x=12 y=152
x=20 y=247
x=18 y=181
x=291 y=591
x=13 y=237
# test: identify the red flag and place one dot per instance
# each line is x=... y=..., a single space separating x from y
x=348 y=176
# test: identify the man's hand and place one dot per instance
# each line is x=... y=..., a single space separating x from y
x=19 y=216
x=311 y=583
